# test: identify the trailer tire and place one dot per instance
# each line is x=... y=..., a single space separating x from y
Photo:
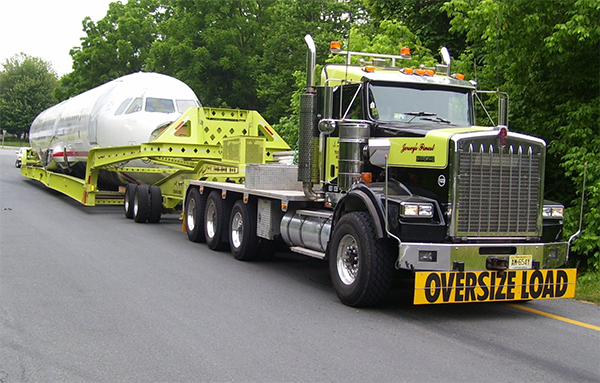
x=194 y=215
x=361 y=265
x=216 y=221
x=155 y=204
x=128 y=200
x=243 y=241
x=141 y=203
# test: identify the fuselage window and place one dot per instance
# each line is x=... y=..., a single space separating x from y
x=159 y=105
x=122 y=107
x=135 y=106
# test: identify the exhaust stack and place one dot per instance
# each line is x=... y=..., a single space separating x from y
x=308 y=134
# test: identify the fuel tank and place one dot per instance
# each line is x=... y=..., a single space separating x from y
x=125 y=111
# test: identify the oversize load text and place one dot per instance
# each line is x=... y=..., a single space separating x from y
x=485 y=286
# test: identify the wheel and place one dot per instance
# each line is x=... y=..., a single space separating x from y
x=141 y=203
x=243 y=241
x=194 y=215
x=361 y=265
x=216 y=221
x=155 y=204
x=128 y=203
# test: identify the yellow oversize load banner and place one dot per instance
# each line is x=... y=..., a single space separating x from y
x=489 y=286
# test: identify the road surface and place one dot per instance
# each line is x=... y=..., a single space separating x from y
x=89 y=296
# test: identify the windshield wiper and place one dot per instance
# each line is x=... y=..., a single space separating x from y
x=419 y=114
x=436 y=119
x=426 y=116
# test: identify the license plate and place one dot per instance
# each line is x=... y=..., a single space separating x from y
x=518 y=262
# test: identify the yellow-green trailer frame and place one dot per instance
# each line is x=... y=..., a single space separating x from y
x=203 y=144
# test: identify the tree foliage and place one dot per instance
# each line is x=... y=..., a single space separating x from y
x=424 y=18
x=114 y=46
x=26 y=87
x=543 y=53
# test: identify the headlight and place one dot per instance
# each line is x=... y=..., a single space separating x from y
x=553 y=212
x=416 y=210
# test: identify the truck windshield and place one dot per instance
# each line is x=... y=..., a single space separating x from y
x=419 y=105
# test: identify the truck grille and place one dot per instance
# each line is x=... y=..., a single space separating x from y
x=499 y=191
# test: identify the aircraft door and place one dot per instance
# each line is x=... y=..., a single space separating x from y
x=96 y=111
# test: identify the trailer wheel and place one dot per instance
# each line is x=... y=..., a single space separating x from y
x=216 y=221
x=194 y=215
x=155 y=204
x=361 y=265
x=141 y=203
x=243 y=241
x=128 y=202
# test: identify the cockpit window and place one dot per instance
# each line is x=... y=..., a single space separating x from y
x=122 y=107
x=135 y=106
x=159 y=105
x=184 y=105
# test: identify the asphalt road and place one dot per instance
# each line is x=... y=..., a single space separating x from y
x=89 y=296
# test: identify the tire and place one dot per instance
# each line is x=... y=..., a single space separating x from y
x=243 y=241
x=194 y=215
x=141 y=203
x=216 y=221
x=128 y=202
x=361 y=265
x=155 y=204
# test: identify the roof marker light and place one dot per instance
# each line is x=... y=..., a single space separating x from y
x=459 y=76
x=407 y=70
x=335 y=46
x=429 y=72
x=405 y=52
x=369 y=69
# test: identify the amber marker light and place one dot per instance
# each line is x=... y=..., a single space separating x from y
x=335 y=46
x=405 y=52
x=366 y=177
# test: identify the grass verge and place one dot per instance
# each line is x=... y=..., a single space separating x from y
x=588 y=287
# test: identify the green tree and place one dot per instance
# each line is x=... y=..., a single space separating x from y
x=26 y=87
x=284 y=49
x=425 y=18
x=545 y=55
x=213 y=46
x=114 y=46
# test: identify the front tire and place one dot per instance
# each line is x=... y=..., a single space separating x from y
x=361 y=265
x=243 y=241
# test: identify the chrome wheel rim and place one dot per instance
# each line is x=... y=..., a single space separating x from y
x=127 y=202
x=237 y=229
x=347 y=259
x=211 y=220
x=190 y=217
x=135 y=204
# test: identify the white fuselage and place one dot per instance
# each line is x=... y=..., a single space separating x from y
x=125 y=111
